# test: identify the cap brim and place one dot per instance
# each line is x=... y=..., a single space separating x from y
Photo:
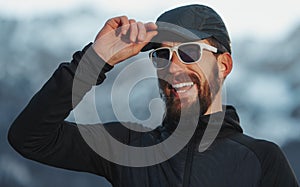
x=174 y=33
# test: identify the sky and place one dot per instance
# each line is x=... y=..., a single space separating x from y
x=268 y=19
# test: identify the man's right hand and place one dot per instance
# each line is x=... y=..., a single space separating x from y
x=122 y=38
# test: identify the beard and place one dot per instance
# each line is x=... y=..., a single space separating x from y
x=207 y=90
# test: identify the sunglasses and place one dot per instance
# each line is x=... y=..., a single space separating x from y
x=188 y=53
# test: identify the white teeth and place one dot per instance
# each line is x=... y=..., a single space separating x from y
x=181 y=91
x=180 y=85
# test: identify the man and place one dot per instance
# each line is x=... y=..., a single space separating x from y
x=199 y=143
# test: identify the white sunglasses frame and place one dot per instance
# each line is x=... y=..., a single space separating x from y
x=175 y=49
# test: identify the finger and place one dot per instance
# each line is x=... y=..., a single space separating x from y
x=150 y=26
x=117 y=21
x=120 y=22
x=149 y=35
x=141 y=31
x=133 y=30
x=125 y=24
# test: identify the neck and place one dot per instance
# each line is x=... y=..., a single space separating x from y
x=216 y=105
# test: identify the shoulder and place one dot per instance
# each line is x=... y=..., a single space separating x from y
x=263 y=149
x=275 y=167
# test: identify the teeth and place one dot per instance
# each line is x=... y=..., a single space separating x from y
x=180 y=85
x=181 y=91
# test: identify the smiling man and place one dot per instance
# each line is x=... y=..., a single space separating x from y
x=200 y=141
x=191 y=74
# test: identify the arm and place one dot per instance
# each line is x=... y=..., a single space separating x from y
x=41 y=133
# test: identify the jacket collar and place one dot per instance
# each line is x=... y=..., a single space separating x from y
x=227 y=118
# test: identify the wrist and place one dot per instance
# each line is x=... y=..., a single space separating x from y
x=102 y=55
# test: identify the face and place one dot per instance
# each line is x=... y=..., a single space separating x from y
x=186 y=86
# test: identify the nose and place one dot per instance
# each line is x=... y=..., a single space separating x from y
x=175 y=64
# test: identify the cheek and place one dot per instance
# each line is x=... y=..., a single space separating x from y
x=196 y=73
x=162 y=74
x=206 y=68
x=206 y=78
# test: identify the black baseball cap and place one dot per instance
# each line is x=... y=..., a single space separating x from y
x=190 y=23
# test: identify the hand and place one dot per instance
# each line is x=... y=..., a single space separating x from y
x=122 y=38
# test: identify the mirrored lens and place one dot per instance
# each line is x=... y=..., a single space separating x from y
x=189 y=53
x=160 y=58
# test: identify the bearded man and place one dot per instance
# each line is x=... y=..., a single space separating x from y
x=198 y=143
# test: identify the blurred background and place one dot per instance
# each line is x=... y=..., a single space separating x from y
x=37 y=35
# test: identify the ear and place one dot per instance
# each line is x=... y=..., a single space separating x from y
x=225 y=64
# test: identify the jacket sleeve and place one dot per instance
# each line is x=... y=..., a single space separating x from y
x=276 y=170
x=41 y=133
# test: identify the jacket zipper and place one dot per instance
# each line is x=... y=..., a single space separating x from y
x=189 y=160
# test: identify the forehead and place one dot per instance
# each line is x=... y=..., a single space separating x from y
x=171 y=44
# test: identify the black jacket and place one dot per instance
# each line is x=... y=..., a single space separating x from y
x=41 y=133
